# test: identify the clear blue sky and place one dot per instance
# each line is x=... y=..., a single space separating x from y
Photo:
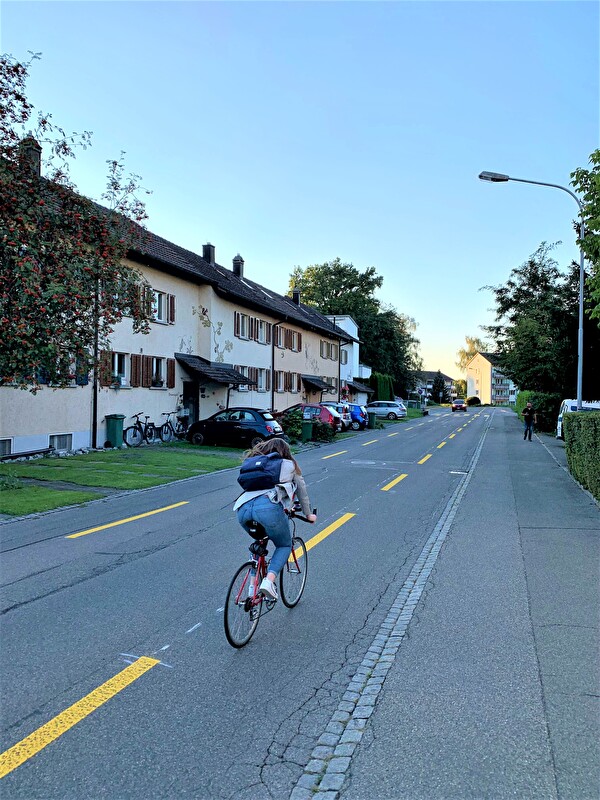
x=295 y=132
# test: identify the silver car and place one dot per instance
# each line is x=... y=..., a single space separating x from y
x=389 y=409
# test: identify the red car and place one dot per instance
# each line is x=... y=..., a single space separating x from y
x=325 y=414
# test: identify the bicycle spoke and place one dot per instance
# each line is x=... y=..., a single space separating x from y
x=240 y=618
x=292 y=579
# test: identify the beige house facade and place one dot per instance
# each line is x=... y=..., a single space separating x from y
x=486 y=381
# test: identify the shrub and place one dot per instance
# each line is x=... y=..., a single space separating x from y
x=322 y=432
x=292 y=425
x=582 y=444
x=546 y=407
x=473 y=401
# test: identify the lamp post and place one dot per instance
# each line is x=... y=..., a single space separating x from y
x=498 y=177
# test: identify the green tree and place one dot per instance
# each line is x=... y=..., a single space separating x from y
x=473 y=346
x=388 y=341
x=63 y=280
x=536 y=328
x=461 y=387
x=587 y=183
x=439 y=392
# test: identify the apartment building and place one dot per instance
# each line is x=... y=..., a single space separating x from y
x=486 y=380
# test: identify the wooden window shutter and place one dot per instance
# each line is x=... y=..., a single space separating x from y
x=268 y=332
x=254 y=374
x=299 y=342
x=171 y=309
x=146 y=371
x=236 y=323
x=268 y=380
x=135 y=371
x=288 y=381
x=170 y=373
x=105 y=367
x=299 y=382
x=288 y=338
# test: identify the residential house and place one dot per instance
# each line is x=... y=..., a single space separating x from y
x=351 y=370
x=424 y=384
x=486 y=380
x=217 y=339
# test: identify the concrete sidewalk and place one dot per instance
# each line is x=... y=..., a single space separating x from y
x=494 y=692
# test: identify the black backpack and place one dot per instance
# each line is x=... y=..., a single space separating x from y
x=260 y=472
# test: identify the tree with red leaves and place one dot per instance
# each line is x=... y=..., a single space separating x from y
x=64 y=283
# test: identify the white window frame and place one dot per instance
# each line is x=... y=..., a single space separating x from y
x=261 y=331
x=244 y=326
x=159 y=306
x=295 y=382
x=243 y=387
x=295 y=340
x=120 y=366
x=280 y=380
x=55 y=436
x=262 y=380
x=159 y=371
x=280 y=337
x=6 y=447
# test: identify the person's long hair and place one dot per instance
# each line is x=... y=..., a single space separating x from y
x=276 y=445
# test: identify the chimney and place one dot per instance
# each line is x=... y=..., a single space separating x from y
x=208 y=253
x=296 y=296
x=238 y=266
x=30 y=154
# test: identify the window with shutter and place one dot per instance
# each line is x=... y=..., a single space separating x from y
x=171 y=309
x=299 y=342
x=236 y=323
x=269 y=332
x=323 y=349
x=146 y=371
x=170 y=373
x=135 y=371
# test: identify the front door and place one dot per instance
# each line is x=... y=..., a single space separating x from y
x=190 y=399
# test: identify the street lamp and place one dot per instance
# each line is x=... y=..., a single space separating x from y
x=499 y=177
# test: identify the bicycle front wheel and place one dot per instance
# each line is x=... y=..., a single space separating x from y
x=240 y=618
x=132 y=436
x=166 y=432
x=292 y=578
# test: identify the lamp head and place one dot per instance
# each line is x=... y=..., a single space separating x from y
x=494 y=177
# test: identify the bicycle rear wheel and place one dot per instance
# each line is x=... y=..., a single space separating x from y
x=150 y=433
x=292 y=578
x=166 y=432
x=240 y=618
x=132 y=436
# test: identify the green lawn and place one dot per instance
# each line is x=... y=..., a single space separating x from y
x=32 y=499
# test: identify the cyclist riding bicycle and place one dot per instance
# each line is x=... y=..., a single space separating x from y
x=268 y=507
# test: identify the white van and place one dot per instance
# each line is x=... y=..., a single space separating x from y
x=571 y=405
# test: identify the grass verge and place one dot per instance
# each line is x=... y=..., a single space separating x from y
x=33 y=499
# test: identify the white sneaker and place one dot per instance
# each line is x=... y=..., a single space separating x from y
x=267 y=588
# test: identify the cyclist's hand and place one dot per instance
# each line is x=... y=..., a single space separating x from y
x=311 y=517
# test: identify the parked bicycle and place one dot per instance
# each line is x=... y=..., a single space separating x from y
x=140 y=431
x=170 y=430
x=245 y=603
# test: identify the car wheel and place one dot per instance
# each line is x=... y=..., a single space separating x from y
x=355 y=425
x=256 y=440
x=197 y=438
x=391 y=415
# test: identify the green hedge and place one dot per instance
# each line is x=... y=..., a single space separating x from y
x=546 y=407
x=473 y=401
x=582 y=443
x=383 y=385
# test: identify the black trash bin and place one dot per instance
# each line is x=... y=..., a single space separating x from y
x=372 y=419
x=114 y=430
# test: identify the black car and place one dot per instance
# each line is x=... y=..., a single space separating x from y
x=459 y=404
x=240 y=427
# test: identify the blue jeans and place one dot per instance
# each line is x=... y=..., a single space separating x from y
x=275 y=522
x=527 y=429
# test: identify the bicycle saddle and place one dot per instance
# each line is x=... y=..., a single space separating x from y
x=257 y=531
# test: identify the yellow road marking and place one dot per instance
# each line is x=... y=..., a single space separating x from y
x=123 y=521
x=441 y=445
x=394 y=434
x=423 y=460
x=409 y=428
x=334 y=454
x=452 y=435
x=36 y=741
x=459 y=430
x=389 y=485
x=324 y=534
x=371 y=442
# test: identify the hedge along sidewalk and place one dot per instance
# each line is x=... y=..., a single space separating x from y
x=139 y=468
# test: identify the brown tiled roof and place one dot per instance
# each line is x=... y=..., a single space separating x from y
x=219 y=373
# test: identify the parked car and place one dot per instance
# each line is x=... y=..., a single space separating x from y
x=343 y=409
x=358 y=416
x=459 y=404
x=240 y=427
x=389 y=409
x=315 y=411
x=567 y=406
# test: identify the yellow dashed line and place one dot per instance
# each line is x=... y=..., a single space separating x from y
x=394 y=434
x=36 y=741
x=123 y=521
x=452 y=435
x=334 y=454
x=324 y=533
x=371 y=442
x=389 y=485
x=441 y=445
x=423 y=460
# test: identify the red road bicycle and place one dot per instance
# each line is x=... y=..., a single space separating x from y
x=245 y=604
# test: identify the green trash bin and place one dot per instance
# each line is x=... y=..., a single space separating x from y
x=372 y=419
x=114 y=430
x=307 y=430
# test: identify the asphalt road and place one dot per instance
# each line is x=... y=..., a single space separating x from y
x=197 y=718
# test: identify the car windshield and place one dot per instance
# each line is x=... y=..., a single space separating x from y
x=266 y=415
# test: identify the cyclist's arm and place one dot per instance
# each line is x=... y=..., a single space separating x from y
x=302 y=494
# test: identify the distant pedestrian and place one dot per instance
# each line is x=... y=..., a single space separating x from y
x=529 y=419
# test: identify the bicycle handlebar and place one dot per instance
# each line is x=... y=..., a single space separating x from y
x=292 y=513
